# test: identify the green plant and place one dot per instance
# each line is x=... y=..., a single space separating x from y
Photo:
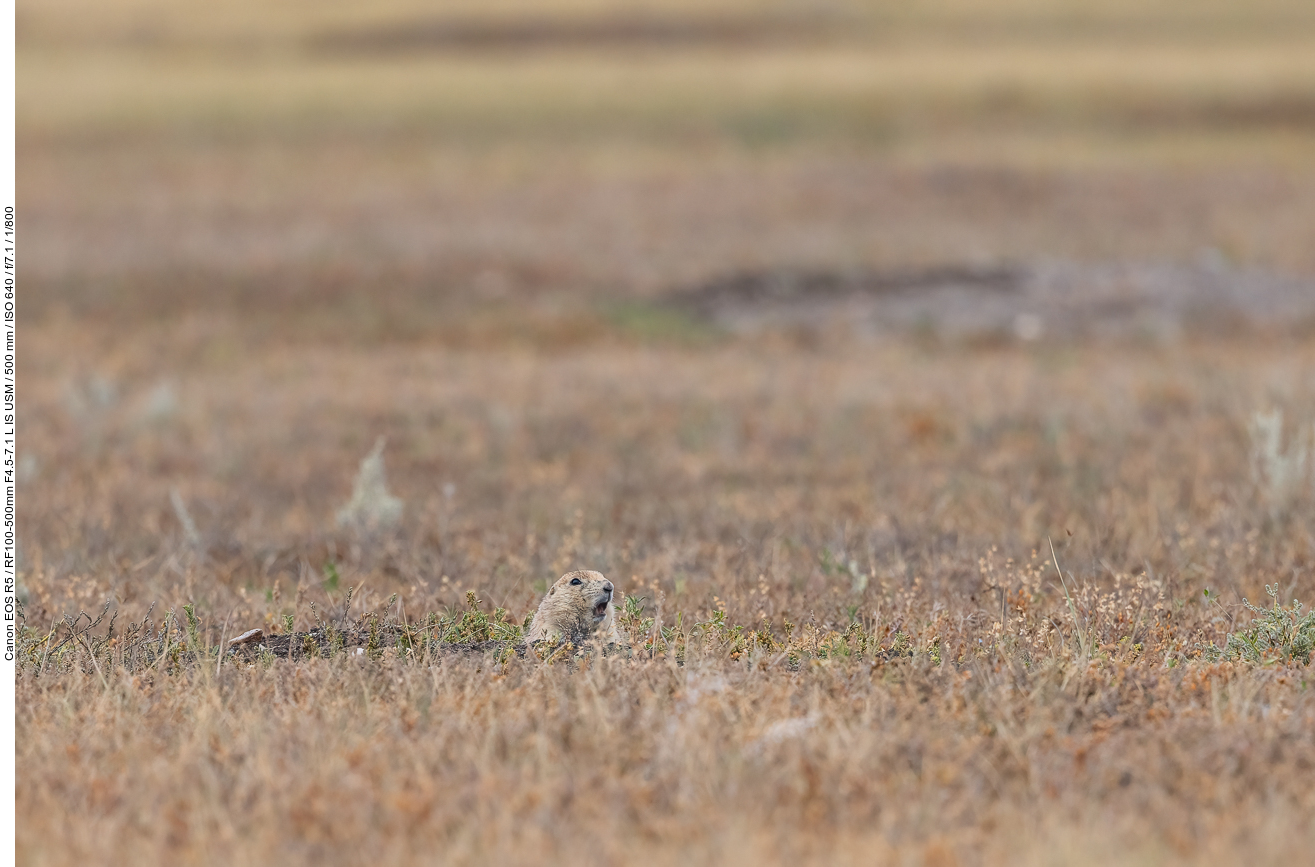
x=1277 y=634
x=331 y=576
x=193 y=627
x=475 y=625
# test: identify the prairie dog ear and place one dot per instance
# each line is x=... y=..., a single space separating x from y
x=552 y=591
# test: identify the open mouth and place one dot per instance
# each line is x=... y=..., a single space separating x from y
x=600 y=607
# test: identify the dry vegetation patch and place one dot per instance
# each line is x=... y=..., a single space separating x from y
x=1011 y=274
x=990 y=759
x=845 y=638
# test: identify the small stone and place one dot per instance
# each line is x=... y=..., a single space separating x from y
x=247 y=637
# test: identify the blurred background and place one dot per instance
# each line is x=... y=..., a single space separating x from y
x=332 y=167
x=579 y=254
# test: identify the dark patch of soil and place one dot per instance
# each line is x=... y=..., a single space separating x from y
x=613 y=31
x=791 y=285
x=327 y=642
x=1045 y=299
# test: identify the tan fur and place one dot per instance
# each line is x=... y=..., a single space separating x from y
x=567 y=612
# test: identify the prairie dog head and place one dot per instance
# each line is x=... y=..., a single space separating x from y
x=578 y=607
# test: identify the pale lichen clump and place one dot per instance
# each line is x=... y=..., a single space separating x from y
x=371 y=505
x=1281 y=476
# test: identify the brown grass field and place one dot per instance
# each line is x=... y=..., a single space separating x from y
x=255 y=238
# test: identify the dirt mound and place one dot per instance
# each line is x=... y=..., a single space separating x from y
x=1048 y=299
x=362 y=637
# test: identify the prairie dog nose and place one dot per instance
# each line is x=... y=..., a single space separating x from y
x=607 y=586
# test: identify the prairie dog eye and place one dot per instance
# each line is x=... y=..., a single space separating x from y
x=576 y=582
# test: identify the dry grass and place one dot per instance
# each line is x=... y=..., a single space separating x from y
x=790 y=515
x=341 y=760
x=246 y=259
